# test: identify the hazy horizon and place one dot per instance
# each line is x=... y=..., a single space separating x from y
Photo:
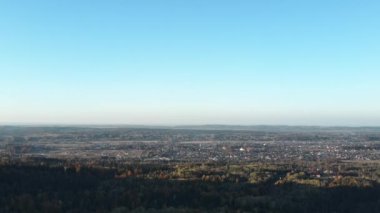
x=190 y=62
x=211 y=125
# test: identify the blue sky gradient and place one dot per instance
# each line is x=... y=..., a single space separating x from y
x=190 y=62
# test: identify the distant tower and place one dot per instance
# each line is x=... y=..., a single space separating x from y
x=10 y=152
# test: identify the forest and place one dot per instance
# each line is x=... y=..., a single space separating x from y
x=25 y=188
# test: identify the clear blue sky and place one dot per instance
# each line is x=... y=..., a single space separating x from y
x=190 y=62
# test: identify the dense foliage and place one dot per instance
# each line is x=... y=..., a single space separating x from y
x=44 y=189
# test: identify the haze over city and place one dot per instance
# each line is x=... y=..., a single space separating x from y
x=190 y=62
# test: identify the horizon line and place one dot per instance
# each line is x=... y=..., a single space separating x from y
x=47 y=124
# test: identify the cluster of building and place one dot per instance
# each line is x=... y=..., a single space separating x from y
x=195 y=151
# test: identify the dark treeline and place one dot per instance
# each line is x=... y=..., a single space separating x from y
x=44 y=189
